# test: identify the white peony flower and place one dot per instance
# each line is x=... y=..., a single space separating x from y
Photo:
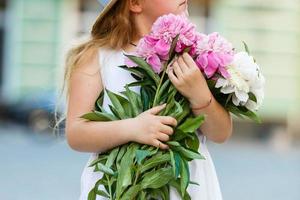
x=245 y=77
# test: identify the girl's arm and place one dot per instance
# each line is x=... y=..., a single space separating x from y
x=190 y=82
x=84 y=88
x=218 y=122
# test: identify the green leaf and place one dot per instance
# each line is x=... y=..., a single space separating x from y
x=102 y=193
x=98 y=116
x=138 y=98
x=176 y=185
x=160 y=193
x=98 y=191
x=92 y=195
x=183 y=151
x=145 y=99
x=133 y=100
x=112 y=157
x=125 y=175
x=114 y=111
x=132 y=192
x=120 y=155
x=145 y=66
x=252 y=97
x=170 y=104
x=154 y=161
x=105 y=169
x=193 y=142
x=190 y=154
x=141 y=83
x=185 y=176
x=186 y=111
x=94 y=162
x=162 y=89
x=238 y=112
x=175 y=161
x=179 y=135
x=99 y=102
x=191 y=124
x=142 y=195
x=141 y=155
x=134 y=70
x=173 y=143
x=115 y=101
x=166 y=192
x=178 y=110
x=157 y=178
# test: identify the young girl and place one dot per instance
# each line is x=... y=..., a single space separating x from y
x=93 y=66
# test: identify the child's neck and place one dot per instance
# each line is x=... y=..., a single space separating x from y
x=131 y=46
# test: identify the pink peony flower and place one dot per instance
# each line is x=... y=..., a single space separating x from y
x=155 y=47
x=167 y=27
x=214 y=54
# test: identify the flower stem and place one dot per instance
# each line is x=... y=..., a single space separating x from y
x=136 y=177
x=166 y=65
x=109 y=188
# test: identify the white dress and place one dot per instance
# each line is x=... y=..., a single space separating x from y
x=201 y=171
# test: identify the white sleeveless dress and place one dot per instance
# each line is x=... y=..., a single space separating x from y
x=201 y=171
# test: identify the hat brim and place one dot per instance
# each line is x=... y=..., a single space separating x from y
x=105 y=10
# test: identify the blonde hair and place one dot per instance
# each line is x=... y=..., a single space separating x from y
x=115 y=31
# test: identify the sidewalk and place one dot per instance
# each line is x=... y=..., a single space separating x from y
x=35 y=167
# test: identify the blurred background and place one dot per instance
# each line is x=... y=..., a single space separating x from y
x=260 y=161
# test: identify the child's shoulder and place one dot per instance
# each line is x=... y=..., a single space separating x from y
x=89 y=61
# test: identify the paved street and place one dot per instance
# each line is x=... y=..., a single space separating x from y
x=40 y=167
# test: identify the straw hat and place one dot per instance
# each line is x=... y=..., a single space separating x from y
x=107 y=5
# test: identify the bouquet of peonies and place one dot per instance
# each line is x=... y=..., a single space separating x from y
x=136 y=171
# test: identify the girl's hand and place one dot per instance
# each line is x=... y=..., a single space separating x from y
x=189 y=81
x=149 y=128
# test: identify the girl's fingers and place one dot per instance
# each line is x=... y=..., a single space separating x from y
x=178 y=70
x=163 y=137
x=184 y=66
x=172 y=76
x=168 y=120
x=188 y=60
x=156 y=109
x=166 y=130
x=161 y=145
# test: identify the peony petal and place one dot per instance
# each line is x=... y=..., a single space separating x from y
x=221 y=82
x=202 y=60
x=162 y=47
x=235 y=100
x=251 y=105
x=210 y=71
x=241 y=95
x=225 y=59
x=213 y=60
x=223 y=71
x=155 y=63
x=228 y=89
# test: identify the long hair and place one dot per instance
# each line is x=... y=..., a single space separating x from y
x=116 y=30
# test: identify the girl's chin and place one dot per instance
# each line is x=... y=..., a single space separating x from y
x=184 y=12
